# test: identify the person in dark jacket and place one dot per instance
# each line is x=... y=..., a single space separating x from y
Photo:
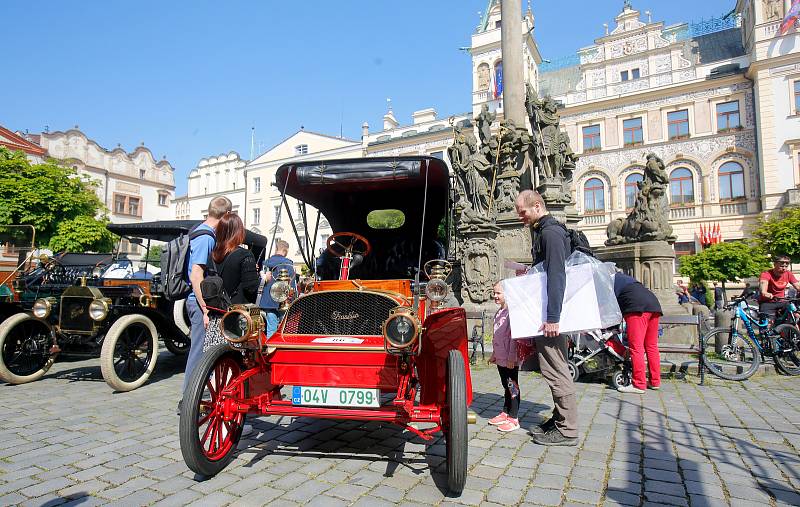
x=270 y=306
x=234 y=264
x=641 y=311
x=551 y=247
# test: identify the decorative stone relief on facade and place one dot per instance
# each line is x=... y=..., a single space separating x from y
x=483 y=76
x=479 y=271
x=596 y=77
x=591 y=55
x=773 y=10
x=662 y=63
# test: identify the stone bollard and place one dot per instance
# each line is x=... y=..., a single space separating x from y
x=722 y=319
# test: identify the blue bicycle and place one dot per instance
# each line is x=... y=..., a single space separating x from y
x=732 y=355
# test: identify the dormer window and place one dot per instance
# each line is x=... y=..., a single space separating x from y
x=301 y=149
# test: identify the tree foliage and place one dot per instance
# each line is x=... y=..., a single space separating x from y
x=154 y=255
x=780 y=233
x=724 y=262
x=45 y=196
x=386 y=219
x=82 y=234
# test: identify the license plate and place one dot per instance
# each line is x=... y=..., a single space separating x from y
x=335 y=397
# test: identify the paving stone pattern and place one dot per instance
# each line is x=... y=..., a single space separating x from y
x=67 y=439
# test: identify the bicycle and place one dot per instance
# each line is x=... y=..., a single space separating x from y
x=726 y=348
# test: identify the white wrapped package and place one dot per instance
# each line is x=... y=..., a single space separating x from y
x=589 y=300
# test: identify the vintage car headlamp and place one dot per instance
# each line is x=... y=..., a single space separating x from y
x=241 y=324
x=436 y=290
x=401 y=329
x=98 y=309
x=279 y=292
x=42 y=307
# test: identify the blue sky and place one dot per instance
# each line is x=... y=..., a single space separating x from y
x=190 y=78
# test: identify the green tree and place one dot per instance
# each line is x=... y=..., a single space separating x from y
x=154 y=255
x=44 y=196
x=724 y=262
x=82 y=234
x=780 y=233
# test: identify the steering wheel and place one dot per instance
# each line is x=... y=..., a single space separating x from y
x=342 y=244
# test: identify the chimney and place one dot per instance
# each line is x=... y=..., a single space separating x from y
x=424 y=115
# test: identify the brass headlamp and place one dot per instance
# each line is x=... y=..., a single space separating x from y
x=242 y=325
x=437 y=270
x=281 y=289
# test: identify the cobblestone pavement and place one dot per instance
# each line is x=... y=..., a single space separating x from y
x=68 y=438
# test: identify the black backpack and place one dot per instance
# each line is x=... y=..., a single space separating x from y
x=213 y=288
x=174 y=263
x=578 y=241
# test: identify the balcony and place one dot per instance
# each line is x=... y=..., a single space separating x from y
x=733 y=208
x=680 y=212
x=594 y=219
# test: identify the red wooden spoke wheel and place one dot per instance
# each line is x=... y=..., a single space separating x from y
x=207 y=439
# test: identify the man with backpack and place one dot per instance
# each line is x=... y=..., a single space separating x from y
x=200 y=246
x=270 y=306
x=552 y=244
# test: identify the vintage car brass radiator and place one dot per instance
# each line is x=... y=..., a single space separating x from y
x=343 y=313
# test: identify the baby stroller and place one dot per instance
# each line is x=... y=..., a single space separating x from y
x=601 y=353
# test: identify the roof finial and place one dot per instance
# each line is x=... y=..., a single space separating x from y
x=389 y=104
x=627 y=6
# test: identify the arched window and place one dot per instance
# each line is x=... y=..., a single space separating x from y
x=594 y=196
x=498 y=79
x=731 y=181
x=681 y=186
x=483 y=76
x=632 y=189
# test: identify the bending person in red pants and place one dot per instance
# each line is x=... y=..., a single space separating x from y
x=641 y=311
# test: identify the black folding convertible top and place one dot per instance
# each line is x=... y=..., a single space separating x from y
x=167 y=230
x=345 y=191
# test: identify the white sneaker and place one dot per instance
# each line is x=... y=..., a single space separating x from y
x=630 y=389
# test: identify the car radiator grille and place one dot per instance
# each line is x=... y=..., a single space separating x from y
x=74 y=314
x=343 y=313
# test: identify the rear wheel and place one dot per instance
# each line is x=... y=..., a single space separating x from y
x=574 y=370
x=177 y=344
x=207 y=439
x=620 y=378
x=129 y=353
x=739 y=356
x=787 y=357
x=455 y=422
x=25 y=344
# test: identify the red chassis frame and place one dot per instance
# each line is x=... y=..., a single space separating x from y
x=283 y=362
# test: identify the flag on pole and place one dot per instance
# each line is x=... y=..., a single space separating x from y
x=498 y=79
x=791 y=17
x=718 y=235
x=703 y=236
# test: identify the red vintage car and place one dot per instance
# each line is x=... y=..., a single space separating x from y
x=370 y=340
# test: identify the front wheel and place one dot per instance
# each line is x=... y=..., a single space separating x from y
x=787 y=355
x=456 y=423
x=620 y=378
x=574 y=370
x=207 y=438
x=25 y=344
x=739 y=356
x=129 y=353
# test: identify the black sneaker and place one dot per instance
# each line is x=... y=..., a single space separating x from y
x=554 y=437
x=546 y=426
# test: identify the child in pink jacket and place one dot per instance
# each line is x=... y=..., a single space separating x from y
x=506 y=354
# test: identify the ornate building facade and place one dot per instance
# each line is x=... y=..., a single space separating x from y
x=214 y=176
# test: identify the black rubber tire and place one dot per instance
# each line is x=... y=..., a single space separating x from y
x=178 y=344
x=133 y=340
x=456 y=436
x=788 y=362
x=620 y=378
x=12 y=345
x=574 y=370
x=743 y=348
x=196 y=459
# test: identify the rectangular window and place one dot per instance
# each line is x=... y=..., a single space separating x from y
x=276 y=209
x=591 y=138
x=632 y=131
x=162 y=199
x=256 y=216
x=256 y=185
x=635 y=74
x=678 y=124
x=127 y=205
x=301 y=149
x=623 y=76
x=728 y=116
x=797 y=97
x=683 y=248
x=142 y=172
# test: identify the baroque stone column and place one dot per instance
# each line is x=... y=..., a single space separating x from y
x=513 y=74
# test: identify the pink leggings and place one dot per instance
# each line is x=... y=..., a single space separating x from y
x=643 y=338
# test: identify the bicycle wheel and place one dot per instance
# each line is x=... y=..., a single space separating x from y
x=787 y=357
x=739 y=357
